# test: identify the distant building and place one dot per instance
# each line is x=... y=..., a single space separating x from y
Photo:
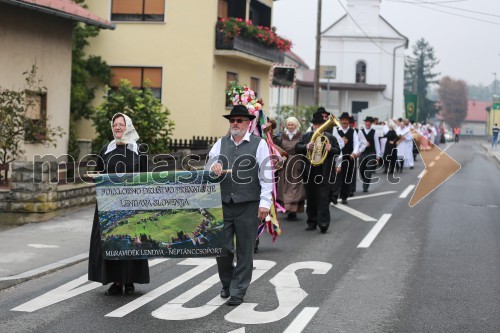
x=38 y=32
x=477 y=116
x=175 y=45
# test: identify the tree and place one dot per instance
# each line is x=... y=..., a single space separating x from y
x=84 y=70
x=453 y=98
x=149 y=116
x=15 y=127
x=419 y=75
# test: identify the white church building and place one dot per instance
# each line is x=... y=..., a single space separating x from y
x=363 y=55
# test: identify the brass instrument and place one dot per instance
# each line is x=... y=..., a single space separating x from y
x=318 y=155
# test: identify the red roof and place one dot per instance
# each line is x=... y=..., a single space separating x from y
x=298 y=59
x=63 y=8
x=476 y=111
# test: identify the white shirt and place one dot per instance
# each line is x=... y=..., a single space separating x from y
x=266 y=178
x=355 y=138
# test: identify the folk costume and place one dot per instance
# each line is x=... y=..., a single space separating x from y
x=345 y=179
x=368 y=160
x=118 y=156
x=291 y=191
x=391 y=150
x=317 y=180
x=248 y=187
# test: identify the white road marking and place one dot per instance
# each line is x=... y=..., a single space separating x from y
x=43 y=246
x=288 y=291
x=431 y=164
x=201 y=266
x=300 y=322
x=371 y=195
x=407 y=191
x=354 y=212
x=174 y=310
x=238 y=330
x=370 y=237
x=437 y=157
x=68 y=290
x=422 y=173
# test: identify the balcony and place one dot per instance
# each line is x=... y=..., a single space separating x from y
x=252 y=48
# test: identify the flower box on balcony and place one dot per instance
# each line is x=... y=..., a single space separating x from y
x=248 y=46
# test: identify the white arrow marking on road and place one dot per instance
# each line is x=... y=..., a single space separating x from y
x=371 y=195
x=43 y=246
x=407 y=191
x=66 y=291
x=354 y=212
x=366 y=242
x=288 y=292
x=174 y=310
x=202 y=265
x=301 y=321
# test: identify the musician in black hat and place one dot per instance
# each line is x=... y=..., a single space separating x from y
x=316 y=178
x=246 y=199
x=349 y=154
x=371 y=153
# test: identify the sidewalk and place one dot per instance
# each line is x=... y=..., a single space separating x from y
x=35 y=249
x=494 y=152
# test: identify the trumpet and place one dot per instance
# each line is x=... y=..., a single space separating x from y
x=318 y=155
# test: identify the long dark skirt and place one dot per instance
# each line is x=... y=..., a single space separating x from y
x=106 y=271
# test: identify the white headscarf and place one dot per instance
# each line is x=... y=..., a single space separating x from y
x=297 y=127
x=129 y=137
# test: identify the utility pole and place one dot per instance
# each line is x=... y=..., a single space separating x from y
x=495 y=84
x=318 y=48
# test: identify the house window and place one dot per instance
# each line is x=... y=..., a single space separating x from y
x=36 y=116
x=137 y=76
x=230 y=77
x=361 y=72
x=138 y=10
x=255 y=86
x=222 y=9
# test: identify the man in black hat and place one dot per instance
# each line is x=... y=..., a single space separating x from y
x=316 y=178
x=349 y=154
x=370 y=155
x=246 y=199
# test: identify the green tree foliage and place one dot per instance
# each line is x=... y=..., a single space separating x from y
x=419 y=75
x=15 y=127
x=149 y=116
x=453 y=98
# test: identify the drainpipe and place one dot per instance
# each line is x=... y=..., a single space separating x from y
x=394 y=74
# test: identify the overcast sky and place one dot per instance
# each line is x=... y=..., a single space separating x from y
x=467 y=49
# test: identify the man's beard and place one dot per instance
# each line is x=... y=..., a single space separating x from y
x=236 y=131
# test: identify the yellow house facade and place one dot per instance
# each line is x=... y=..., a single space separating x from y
x=173 y=44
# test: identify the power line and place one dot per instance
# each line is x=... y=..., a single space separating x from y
x=445 y=6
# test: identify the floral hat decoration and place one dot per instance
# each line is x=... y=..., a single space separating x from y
x=242 y=95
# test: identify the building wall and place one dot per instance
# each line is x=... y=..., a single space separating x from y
x=473 y=128
x=28 y=38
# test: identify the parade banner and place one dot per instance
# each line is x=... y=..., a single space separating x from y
x=411 y=107
x=166 y=214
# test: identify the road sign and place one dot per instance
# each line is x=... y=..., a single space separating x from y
x=328 y=72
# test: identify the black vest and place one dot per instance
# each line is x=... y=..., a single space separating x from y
x=242 y=184
x=370 y=137
x=349 y=146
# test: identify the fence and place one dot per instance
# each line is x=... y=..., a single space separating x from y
x=196 y=143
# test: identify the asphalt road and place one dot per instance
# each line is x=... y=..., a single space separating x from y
x=381 y=267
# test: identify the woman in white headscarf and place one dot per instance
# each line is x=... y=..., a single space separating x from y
x=291 y=191
x=121 y=155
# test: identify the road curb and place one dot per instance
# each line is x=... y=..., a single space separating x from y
x=495 y=155
x=10 y=281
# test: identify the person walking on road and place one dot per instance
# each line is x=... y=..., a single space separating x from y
x=122 y=155
x=370 y=155
x=246 y=199
x=494 y=135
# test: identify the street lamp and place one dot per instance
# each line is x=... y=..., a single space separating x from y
x=495 y=84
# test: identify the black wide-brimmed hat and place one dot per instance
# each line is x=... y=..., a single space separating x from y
x=370 y=119
x=239 y=110
x=317 y=118
x=345 y=115
x=321 y=110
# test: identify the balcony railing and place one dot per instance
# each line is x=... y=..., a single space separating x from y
x=248 y=46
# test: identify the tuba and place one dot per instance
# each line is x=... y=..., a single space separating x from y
x=318 y=155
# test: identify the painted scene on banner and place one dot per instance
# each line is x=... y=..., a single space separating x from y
x=165 y=214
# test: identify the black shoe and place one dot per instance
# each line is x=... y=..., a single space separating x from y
x=115 y=289
x=344 y=201
x=323 y=229
x=224 y=293
x=129 y=288
x=335 y=201
x=234 y=301
x=411 y=168
x=310 y=227
x=256 y=248
x=292 y=216
x=365 y=190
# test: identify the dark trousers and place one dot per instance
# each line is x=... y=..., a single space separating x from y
x=390 y=161
x=240 y=219
x=367 y=166
x=355 y=176
x=318 y=198
x=346 y=176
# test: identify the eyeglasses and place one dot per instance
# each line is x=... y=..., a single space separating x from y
x=236 y=120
